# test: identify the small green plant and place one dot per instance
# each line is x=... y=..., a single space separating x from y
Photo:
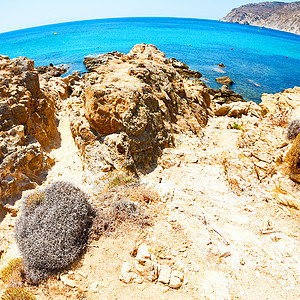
x=12 y=271
x=17 y=293
x=236 y=126
x=121 y=180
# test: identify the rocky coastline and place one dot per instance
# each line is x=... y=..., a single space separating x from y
x=216 y=176
x=275 y=15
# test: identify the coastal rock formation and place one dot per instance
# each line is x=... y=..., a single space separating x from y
x=224 y=95
x=275 y=15
x=27 y=124
x=132 y=104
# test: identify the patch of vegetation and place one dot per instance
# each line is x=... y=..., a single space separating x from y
x=280 y=119
x=124 y=205
x=53 y=229
x=236 y=126
x=17 y=293
x=13 y=272
x=122 y=179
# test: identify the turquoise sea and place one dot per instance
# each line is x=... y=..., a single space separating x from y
x=258 y=60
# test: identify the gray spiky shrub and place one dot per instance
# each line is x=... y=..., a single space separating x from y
x=293 y=129
x=53 y=229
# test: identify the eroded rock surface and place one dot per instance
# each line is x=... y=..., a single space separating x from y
x=27 y=124
x=131 y=105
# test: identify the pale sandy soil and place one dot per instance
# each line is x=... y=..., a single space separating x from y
x=228 y=246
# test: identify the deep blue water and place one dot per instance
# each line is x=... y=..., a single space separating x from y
x=267 y=57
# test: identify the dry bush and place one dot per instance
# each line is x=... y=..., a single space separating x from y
x=53 y=229
x=280 y=119
x=13 y=273
x=292 y=158
x=129 y=205
x=293 y=129
x=17 y=293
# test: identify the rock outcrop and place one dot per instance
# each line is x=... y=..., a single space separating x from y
x=224 y=95
x=277 y=103
x=27 y=124
x=275 y=15
x=132 y=104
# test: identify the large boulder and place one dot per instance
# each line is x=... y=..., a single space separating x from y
x=27 y=125
x=224 y=80
x=131 y=106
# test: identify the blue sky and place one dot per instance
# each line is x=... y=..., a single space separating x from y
x=17 y=14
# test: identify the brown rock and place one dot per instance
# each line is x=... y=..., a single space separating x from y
x=224 y=80
x=237 y=109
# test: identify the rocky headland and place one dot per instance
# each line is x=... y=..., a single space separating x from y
x=212 y=181
x=275 y=15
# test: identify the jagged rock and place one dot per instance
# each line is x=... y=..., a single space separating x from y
x=224 y=80
x=51 y=71
x=224 y=95
x=183 y=69
x=27 y=124
x=237 y=109
x=131 y=105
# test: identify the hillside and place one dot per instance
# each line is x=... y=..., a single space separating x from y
x=196 y=191
x=275 y=15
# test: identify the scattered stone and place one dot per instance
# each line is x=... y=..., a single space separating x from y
x=164 y=274
x=67 y=281
x=127 y=272
x=176 y=279
x=143 y=253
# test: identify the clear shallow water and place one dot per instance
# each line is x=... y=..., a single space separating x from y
x=259 y=55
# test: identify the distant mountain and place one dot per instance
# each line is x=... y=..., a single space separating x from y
x=276 y=15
